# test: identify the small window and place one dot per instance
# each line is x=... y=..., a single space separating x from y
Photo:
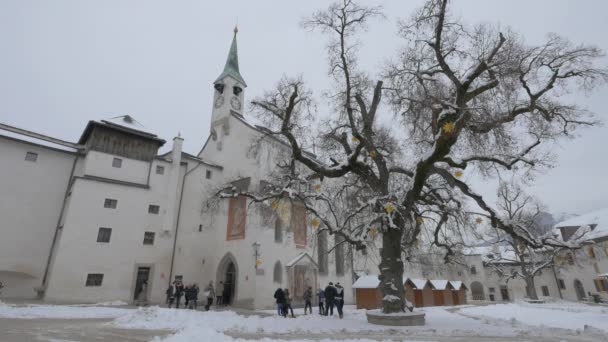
x=200 y=227
x=103 y=235
x=94 y=279
x=562 y=284
x=148 y=238
x=492 y=290
x=208 y=174
x=473 y=270
x=117 y=162
x=110 y=203
x=604 y=284
x=459 y=273
x=160 y=170
x=545 y=291
x=31 y=156
x=153 y=209
x=278 y=230
x=277 y=274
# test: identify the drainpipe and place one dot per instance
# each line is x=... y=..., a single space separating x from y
x=179 y=211
x=57 y=227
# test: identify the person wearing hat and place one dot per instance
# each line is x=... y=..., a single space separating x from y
x=330 y=295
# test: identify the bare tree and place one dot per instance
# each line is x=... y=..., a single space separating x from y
x=514 y=259
x=456 y=99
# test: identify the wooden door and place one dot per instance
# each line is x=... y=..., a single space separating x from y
x=418 y=301
x=438 y=297
x=455 y=297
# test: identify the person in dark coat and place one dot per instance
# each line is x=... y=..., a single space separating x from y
x=321 y=296
x=308 y=299
x=330 y=295
x=170 y=295
x=279 y=296
x=339 y=300
x=192 y=303
x=186 y=296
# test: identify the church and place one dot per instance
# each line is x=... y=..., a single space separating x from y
x=91 y=221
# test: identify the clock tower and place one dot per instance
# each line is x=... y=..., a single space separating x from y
x=228 y=93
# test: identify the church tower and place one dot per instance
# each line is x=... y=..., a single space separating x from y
x=228 y=94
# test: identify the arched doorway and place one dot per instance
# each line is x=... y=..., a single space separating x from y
x=227 y=272
x=477 y=291
x=580 y=290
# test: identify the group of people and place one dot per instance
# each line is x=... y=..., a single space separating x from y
x=177 y=290
x=330 y=297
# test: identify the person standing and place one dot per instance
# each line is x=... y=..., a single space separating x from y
x=179 y=292
x=170 y=295
x=187 y=290
x=339 y=299
x=321 y=296
x=192 y=304
x=279 y=297
x=219 y=294
x=330 y=295
x=210 y=291
x=308 y=299
x=142 y=294
x=288 y=304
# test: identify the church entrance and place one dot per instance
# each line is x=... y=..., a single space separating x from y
x=227 y=272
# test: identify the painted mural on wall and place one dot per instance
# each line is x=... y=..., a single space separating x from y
x=237 y=218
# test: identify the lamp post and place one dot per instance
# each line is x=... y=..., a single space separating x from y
x=256 y=253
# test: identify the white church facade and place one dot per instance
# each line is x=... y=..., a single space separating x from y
x=90 y=221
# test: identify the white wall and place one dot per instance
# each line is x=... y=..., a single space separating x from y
x=99 y=164
x=30 y=205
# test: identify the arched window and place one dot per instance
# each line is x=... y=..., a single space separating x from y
x=277 y=274
x=339 y=250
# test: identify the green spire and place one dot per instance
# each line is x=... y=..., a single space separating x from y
x=232 y=63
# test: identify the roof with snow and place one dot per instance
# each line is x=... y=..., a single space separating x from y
x=419 y=283
x=367 y=282
x=493 y=253
x=125 y=124
x=439 y=284
x=38 y=139
x=597 y=220
x=457 y=284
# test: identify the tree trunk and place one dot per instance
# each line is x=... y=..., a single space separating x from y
x=391 y=272
x=530 y=288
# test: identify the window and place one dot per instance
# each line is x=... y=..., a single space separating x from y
x=153 y=209
x=200 y=227
x=148 y=238
x=322 y=251
x=299 y=225
x=460 y=273
x=94 y=279
x=473 y=270
x=278 y=230
x=31 y=156
x=591 y=252
x=110 y=203
x=604 y=284
x=570 y=258
x=277 y=274
x=237 y=218
x=339 y=250
x=561 y=283
x=545 y=290
x=160 y=170
x=103 y=235
x=208 y=174
x=492 y=290
x=117 y=162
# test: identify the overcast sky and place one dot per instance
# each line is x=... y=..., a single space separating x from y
x=65 y=62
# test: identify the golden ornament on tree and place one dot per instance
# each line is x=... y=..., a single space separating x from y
x=419 y=220
x=354 y=139
x=317 y=187
x=373 y=231
x=389 y=207
x=373 y=154
x=478 y=220
x=448 y=127
x=316 y=222
x=458 y=174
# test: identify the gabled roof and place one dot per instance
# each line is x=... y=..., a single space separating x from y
x=439 y=284
x=232 y=64
x=367 y=282
x=597 y=220
x=420 y=283
x=118 y=127
x=301 y=257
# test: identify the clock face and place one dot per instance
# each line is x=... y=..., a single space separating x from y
x=219 y=101
x=235 y=103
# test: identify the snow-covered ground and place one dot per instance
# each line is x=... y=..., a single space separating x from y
x=516 y=321
x=565 y=315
